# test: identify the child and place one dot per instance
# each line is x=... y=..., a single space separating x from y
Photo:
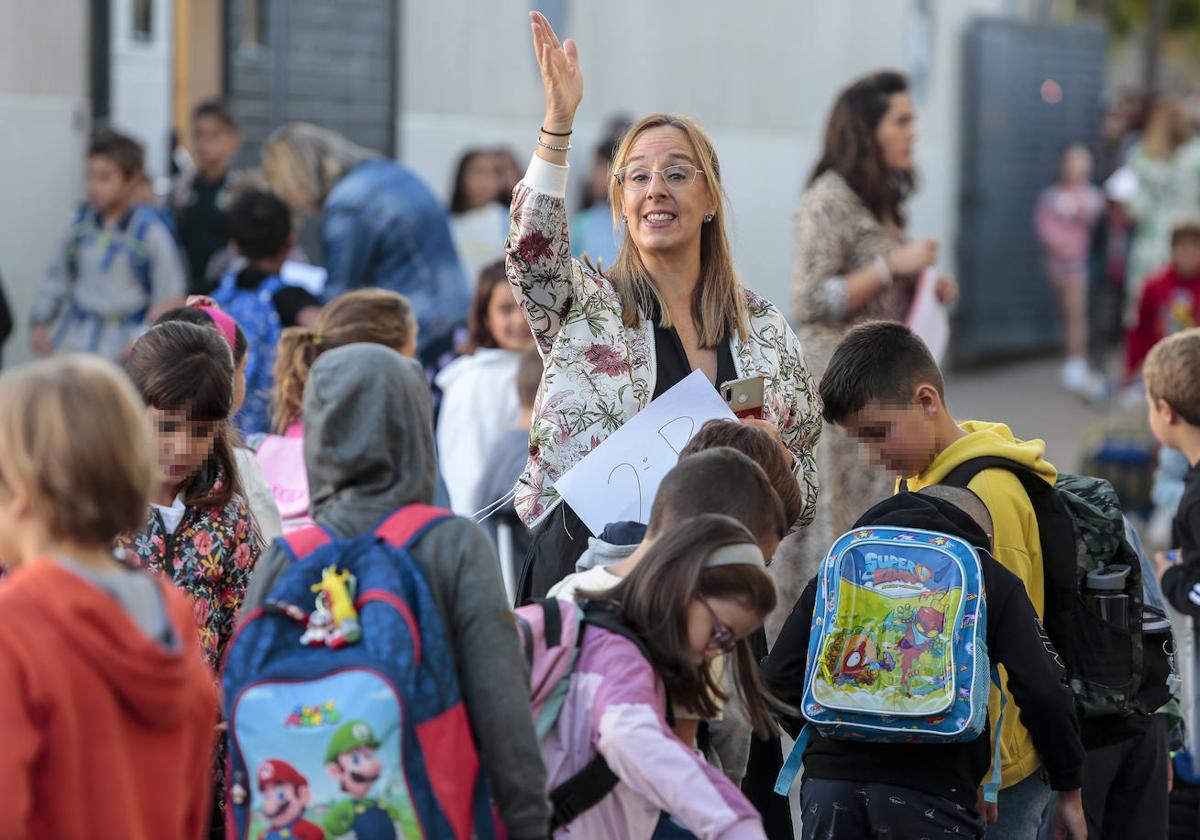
x=365 y=316
x=258 y=299
x=202 y=197
x=478 y=399
x=503 y=467
x=199 y=531
x=701 y=487
x=1066 y=214
x=1172 y=375
x=884 y=389
x=117 y=269
x=254 y=483
x=106 y=705
x=369 y=452
x=1170 y=300
x=699 y=591
x=855 y=790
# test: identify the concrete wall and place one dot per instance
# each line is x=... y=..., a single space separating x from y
x=43 y=134
x=759 y=75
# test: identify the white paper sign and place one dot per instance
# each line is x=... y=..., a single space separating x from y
x=928 y=317
x=617 y=481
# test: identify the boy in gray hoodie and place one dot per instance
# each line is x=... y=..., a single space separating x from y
x=369 y=451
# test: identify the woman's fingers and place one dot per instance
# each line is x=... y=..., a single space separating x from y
x=571 y=51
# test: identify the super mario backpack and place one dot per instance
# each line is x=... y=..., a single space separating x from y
x=254 y=310
x=343 y=701
x=898 y=649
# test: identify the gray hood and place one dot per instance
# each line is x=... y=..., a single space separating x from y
x=368 y=437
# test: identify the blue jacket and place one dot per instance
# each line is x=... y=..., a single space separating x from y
x=383 y=226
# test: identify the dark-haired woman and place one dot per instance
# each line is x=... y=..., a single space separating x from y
x=478 y=222
x=854 y=262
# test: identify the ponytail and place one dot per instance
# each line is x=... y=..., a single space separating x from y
x=298 y=349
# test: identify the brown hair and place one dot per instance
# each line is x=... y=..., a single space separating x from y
x=1170 y=373
x=1167 y=128
x=654 y=598
x=719 y=303
x=877 y=360
x=370 y=316
x=760 y=448
x=851 y=151
x=490 y=276
x=75 y=437
x=1185 y=228
x=529 y=376
x=184 y=367
x=125 y=152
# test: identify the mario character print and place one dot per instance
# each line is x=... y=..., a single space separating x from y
x=352 y=763
x=285 y=797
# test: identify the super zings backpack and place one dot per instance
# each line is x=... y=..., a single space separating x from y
x=898 y=650
x=343 y=702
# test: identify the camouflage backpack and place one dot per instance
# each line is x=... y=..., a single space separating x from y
x=1082 y=531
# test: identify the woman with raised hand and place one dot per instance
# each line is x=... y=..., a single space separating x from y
x=670 y=304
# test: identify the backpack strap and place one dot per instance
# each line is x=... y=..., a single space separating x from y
x=991 y=787
x=139 y=250
x=404 y=527
x=596 y=780
x=80 y=227
x=791 y=767
x=305 y=541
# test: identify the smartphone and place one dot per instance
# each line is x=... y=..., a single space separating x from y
x=744 y=396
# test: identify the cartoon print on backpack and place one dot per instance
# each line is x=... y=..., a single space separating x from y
x=286 y=796
x=885 y=648
x=334 y=759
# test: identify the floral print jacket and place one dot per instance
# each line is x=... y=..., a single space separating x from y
x=599 y=373
x=210 y=557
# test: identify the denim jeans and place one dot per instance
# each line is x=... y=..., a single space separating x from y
x=1021 y=807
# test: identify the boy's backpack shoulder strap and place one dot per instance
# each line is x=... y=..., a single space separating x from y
x=142 y=220
x=964 y=473
x=404 y=527
x=305 y=541
x=80 y=227
x=272 y=286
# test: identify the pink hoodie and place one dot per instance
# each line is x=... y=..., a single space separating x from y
x=615 y=705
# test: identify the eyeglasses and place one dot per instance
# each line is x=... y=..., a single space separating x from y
x=677 y=177
x=723 y=638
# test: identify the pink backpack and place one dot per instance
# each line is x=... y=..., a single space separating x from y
x=282 y=460
x=552 y=630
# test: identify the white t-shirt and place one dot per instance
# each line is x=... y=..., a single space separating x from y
x=595 y=579
x=173 y=515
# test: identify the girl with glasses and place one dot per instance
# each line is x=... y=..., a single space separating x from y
x=670 y=304
x=700 y=590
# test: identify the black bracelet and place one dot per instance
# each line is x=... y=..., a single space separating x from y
x=555 y=133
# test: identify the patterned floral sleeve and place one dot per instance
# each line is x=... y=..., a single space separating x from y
x=822 y=250
x=802 y=428
x=539 y=264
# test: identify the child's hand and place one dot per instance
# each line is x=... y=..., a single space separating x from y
x=39 y=341
x=946 y=289
x=1067 y=817
x=773 y=430
x=1162 y=562
x=989 y=811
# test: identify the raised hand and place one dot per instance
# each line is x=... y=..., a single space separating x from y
x=561 y=77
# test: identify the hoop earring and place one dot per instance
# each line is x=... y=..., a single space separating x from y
x=709 y=217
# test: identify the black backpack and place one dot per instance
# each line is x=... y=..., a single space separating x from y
x=1082 y=529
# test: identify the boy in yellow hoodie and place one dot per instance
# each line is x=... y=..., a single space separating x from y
x=883 y=388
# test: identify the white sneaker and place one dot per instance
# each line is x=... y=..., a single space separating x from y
x=1082 y=381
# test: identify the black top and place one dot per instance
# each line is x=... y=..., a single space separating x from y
x=289 y=301
x=1015 y=640
x=671 y=361
x=203 y=229
x=1181 y=584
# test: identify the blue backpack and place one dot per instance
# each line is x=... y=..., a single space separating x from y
x=254 y=310
x=898 y=650
x=347 y=716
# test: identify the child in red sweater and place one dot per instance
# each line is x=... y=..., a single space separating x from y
x=107 y=709
x=1170 y=300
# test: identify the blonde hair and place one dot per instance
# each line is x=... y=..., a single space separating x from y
x=719 y=304
x=1170 y=373
x=364 y=316
x=302 y=162
x=75 y=436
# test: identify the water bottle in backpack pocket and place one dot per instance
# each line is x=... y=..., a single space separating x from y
x=343 y=702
